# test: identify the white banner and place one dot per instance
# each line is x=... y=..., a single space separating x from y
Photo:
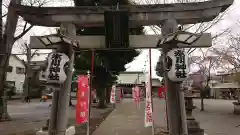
x=136 y=96
x=113 y=95
x=148 y=106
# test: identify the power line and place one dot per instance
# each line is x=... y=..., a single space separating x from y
x=109 y=50
x=19 y=53
x=87 y=50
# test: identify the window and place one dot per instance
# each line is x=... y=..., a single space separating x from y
x=43 y=74
x=20 y=70
x=9 y=69
x=12 y=83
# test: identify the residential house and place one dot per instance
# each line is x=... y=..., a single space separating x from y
x=220 y=83
x=225 y=88
x=195 y=79
x=16 y=73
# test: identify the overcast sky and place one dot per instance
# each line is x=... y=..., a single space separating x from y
x=141 y=62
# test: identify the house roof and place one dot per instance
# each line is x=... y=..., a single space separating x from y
x=37 y=63
x=234 y=70
x=15 y=56
x=155 y=79
x=226 y=86
x=132 y=72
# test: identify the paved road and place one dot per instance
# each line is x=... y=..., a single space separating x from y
x=217 y=119
x=32 y=116
x=125 y=120
x=29 y=110
x=25 y=116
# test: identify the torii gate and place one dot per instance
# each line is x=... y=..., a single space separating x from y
x=168 y=15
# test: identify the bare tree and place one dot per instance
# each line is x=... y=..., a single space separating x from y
x=207 y=63
x=210 y=59
x=8 y=38
x=29 y=55
x=195 y=28
x=230 y=53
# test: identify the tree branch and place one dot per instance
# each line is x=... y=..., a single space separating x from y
x=4 y=15
x=23 y=33
x=25 y=26
x=33 y=54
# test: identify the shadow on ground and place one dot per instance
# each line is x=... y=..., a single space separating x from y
x=97 y=117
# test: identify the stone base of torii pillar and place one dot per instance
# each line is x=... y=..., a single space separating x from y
x=44 y=131
x=70 y=131
x=192 y=125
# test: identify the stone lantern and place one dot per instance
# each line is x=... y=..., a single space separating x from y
x=192 y=124
x=236 y=109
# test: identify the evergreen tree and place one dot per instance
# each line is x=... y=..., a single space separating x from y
x=108 y=63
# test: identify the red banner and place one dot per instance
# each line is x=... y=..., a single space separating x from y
x=118 y=95
x=133 y=94
x=161 y=92
x=82 y=100
x=136 y=94
x=113 y=95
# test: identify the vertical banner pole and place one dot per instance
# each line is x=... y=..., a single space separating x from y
x=89 y=101
x=150 y=81
x=138 y=97
x=166 y=107
x=92 y=67
x=90 y=78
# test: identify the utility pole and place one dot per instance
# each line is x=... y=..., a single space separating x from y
x=173 y=89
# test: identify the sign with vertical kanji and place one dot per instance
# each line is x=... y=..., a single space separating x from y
x=148 y=122
x=116 y=29
x=82 y=100
x=55 y=71
x=113 y=95
x=179 y=69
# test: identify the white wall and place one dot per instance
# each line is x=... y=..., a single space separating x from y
x=130 y=78
x=17 y=78
x=156 y=82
